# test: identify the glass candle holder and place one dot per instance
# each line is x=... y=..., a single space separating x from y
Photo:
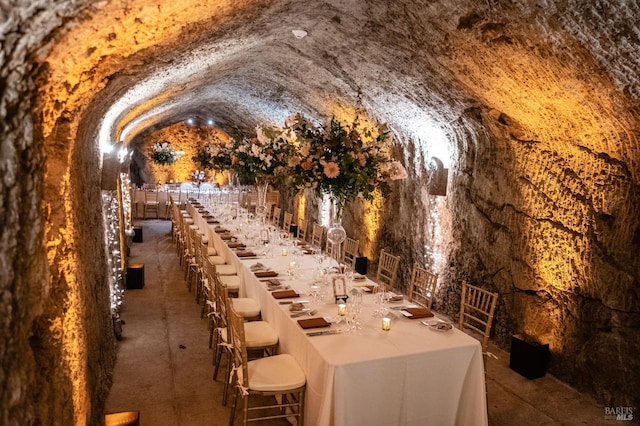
x=342 y=309
x=386 y=324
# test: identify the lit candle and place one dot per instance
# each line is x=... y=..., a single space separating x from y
x=342 y=309
x=284 y=252
x=386 y=324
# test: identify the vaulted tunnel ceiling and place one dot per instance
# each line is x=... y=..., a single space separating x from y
x=242 y=65
x=414 y=65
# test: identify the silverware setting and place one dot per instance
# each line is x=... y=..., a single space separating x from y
x=324 y=332
x=303 y=312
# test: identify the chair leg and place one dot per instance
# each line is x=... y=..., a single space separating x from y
x=225 y=391
x=233 y=408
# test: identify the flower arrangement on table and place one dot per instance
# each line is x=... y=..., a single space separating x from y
x=215 y=155
x=199 y=176
x=264 y=159
x=342 y=161
x=165 y=154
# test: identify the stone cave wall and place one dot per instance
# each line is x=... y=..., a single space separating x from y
x=57 y=346
x=556 y=235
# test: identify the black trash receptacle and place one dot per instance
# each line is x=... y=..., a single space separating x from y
x=137 y=236
x=528 y=357
x=135 y=276
x=361 y=265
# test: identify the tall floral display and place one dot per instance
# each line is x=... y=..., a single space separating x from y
x=264 y=159
x=215 y=155
x=165 y=154
x=342 y=161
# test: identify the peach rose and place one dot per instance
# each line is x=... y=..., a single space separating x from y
x=331 y=170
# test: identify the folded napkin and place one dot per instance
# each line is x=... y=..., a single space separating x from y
x=220 y=229
x=285 y=294
x=300 y=243
x=419 y=313
x=245 y=253
x=225 y=237
x=266 y=274
x=308 y=252
x=273 y=282
x=236 y=245
x=212 y=221
x=313 y=323
x=256 y=267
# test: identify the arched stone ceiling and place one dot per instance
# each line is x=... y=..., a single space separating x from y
x=415 y=65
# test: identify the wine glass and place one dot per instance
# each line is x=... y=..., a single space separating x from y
x=380 y=294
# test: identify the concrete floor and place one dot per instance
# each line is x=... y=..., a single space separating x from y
x=164 y=368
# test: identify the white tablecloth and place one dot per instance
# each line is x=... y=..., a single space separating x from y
x=410 y=375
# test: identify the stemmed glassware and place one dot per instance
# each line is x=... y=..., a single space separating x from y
x=265 y=239
x=381 y=298
x=354 y=309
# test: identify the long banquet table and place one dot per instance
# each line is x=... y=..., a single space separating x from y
x=410 y=375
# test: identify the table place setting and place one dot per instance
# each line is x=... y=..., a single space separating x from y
x=438 y=324
x=285 y=294
x=417 y=312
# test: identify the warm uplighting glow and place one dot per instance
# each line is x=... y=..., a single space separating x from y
x=69 y=328
x=372 y=221
x=302 y=205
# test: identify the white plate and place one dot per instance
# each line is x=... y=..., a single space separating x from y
x=438 y=325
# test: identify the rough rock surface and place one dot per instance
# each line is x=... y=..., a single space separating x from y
x=533 y=106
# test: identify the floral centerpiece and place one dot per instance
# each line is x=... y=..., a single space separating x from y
x=264 y=159
x=342 y=161
x=215 y=155
x=165 y=154
x=199 y=176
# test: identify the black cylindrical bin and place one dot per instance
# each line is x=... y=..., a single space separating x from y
x=360 y=265
x=135 y=276
x=137 y=236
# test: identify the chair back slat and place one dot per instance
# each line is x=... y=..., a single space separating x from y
x=350 y=251
x=239 y=347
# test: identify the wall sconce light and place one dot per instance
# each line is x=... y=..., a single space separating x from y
x=438 y=177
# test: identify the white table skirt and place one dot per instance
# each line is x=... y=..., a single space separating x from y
x=410 y=375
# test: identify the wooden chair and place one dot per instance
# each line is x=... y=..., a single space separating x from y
x=330 y=250
x=303 y=224
x=350 y=251
x=287 y=221
x=273 y=198
x=151 y=203
x=275 y=219
x=278 y=377
x=316 y=235
x=260 y=336
x=422 y=287
x=477 y=307
x=387 y=269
